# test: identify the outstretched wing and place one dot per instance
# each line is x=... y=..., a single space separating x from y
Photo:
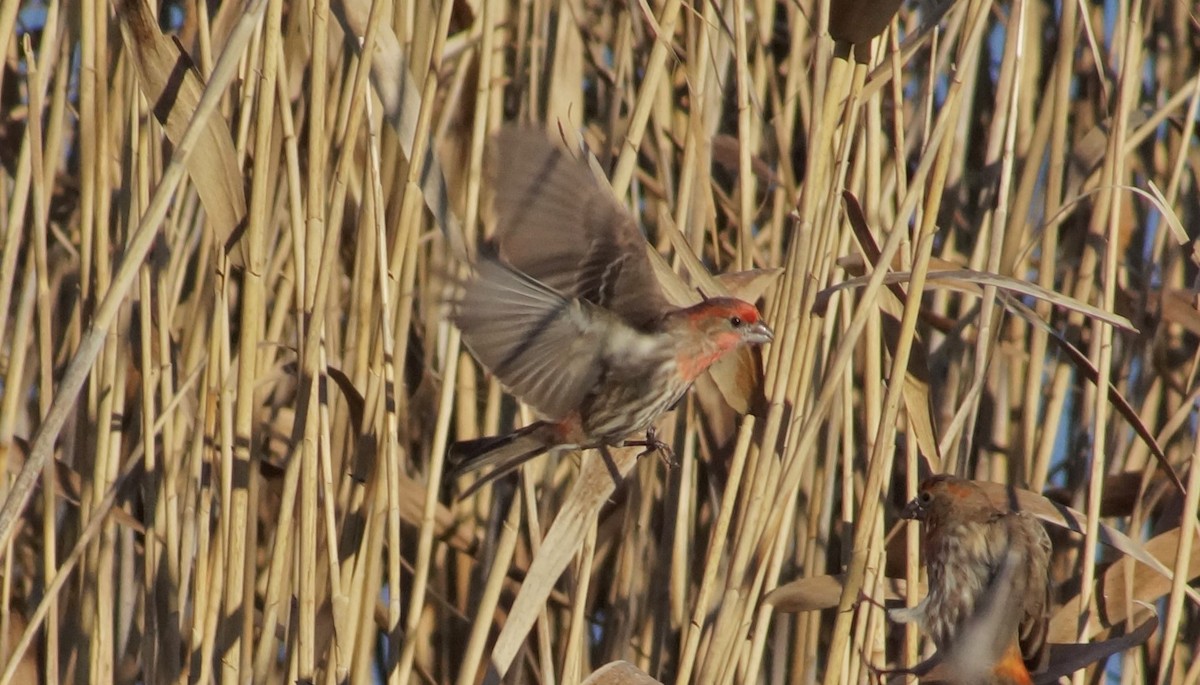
x=543 y=347
x=556 y=223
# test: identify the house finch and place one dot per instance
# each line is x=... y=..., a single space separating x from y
x=989 y=593
x=564 y=309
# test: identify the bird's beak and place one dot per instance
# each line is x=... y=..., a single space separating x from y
x=758 y=334
x=913 y=510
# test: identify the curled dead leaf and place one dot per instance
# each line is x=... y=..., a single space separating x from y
x=807 y=594
x=171 y=84
x=619 y=673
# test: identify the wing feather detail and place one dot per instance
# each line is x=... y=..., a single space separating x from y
x=558 y=224
x=543 y=347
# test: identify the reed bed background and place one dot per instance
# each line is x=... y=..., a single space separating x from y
x=229 y=381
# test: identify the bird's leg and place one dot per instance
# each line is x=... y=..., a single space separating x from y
x=864 y=597
x=877 y=674
x=610 y=464
x=883 y=675
x=653 y=444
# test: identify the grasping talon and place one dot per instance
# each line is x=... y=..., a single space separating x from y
x=864 y=597
x=878 y=674
x=653 y=444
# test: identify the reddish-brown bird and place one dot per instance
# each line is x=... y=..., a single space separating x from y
x=565 y=310
x=989 y=592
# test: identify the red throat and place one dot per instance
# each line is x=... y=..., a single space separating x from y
x=690 y=367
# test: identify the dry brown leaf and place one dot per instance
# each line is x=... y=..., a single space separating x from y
x=825 y=592
x=855 y=265
x=398 y=94
x=807 y=594
x=918 y=399
x=1121 y=493
x=1179 y=306
x=173 y=88
x=969 y=281
x=1141 y=583
x=750 y=284
x=619 y=673
x=739 y=378
x=1089 y=149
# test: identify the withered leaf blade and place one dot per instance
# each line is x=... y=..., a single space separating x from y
x=807 y=594
x=739 y=378
x=619 y=673
x=172 y=86
x=918 y=399
x=749 y=285
x=598 y=479
x=1142 y=583
x=1179 y=306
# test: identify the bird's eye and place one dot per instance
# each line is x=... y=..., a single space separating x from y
x=735 y=321
x=925 y=497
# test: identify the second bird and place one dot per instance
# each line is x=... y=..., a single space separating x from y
x=989 y=587
x=565 y=310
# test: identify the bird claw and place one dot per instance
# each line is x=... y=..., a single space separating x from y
x=878 y=675
x=864 y=597
x=653 y=444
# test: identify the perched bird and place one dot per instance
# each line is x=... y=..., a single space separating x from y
x=989 y=592
x=565 y=310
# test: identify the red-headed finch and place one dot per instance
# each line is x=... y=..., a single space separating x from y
x=565 y=310
x=989 y=590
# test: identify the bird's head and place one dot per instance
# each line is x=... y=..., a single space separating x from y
x=709 y=330
x=729 y=322
x=943 y=498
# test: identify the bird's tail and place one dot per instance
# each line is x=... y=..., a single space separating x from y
x=504 y=452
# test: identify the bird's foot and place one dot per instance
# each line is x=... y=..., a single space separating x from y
x=877 y=674
x=653 y=444
x=864 y=597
